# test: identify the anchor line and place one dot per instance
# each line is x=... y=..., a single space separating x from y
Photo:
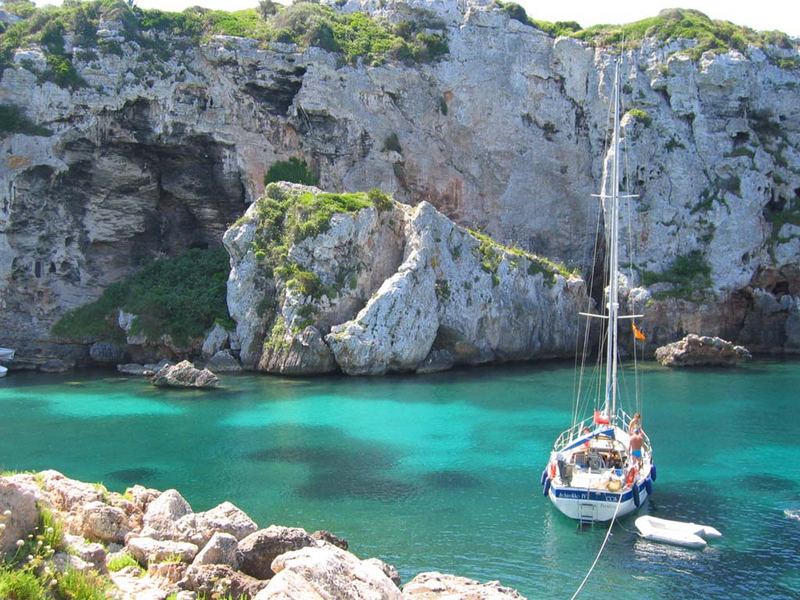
x=602 y=547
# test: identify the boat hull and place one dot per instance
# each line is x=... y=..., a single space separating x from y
x=595 y=505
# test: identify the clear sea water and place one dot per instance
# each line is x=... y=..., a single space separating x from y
x=441 y=472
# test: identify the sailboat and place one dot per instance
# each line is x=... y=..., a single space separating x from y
x=594 y=473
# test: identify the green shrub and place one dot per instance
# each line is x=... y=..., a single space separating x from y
x=293 y=170
x=81 y=585
x=20 y=585
x=689 y=275
x=13 y=120
x=122 y=561
x=381 y=200
x=641 y=115
x=181 y=296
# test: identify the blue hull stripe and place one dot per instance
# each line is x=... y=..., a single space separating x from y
x=584 y=494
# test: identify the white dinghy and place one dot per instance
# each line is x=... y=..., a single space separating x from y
x=3 y=371
x=675 y=532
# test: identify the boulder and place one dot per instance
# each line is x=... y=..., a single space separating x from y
x=184 y=375
x=220 y=581
x=131 y=369
x=63 y=562
x=224 y=362
x=90 y=552
x=170 y=572
x=433 y=585
x=67 y=494
x=220 y=550
x=389 y=570
x=147 y=550
x=701 y=351
x=215 y=341
x=19 y=514
x=141 y=496
x=55 y=365
x=163 y=512
x=199 y=528
x=329 y=573
x=107 y=353
x=100 y=522
x=259 y=549
x=327 y=536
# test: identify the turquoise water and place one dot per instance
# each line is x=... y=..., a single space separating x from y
x=442 y=472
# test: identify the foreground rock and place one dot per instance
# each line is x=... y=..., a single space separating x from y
x=430 y=586
x=219 y=553
x=701 y=351
x=18 y=514
x=327 y=573
x=184 y=375
x=259 y=549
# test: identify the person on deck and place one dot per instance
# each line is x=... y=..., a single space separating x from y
x=635 y=445
x=636 y=423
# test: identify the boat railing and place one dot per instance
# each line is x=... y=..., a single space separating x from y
x=579 y=428
x=573 y=432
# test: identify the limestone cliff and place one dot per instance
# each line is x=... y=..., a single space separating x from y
x=374 y=286
x=165 y=142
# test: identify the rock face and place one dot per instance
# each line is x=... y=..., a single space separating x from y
x=701 y=351
x=184 y=375
x=506 y=133
x=402 y=289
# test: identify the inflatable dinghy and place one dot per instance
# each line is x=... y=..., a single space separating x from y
x=678 y=533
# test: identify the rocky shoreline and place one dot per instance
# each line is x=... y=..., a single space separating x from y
x=145 y=544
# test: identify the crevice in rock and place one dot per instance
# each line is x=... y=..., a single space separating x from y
x=277 y=95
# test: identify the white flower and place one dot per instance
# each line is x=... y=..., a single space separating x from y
x=7 y=513
x=20 y=543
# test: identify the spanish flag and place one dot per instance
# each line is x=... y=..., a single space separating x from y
x=638 y=334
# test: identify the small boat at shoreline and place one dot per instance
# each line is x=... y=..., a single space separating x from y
x=5 y=354
x=677 y=533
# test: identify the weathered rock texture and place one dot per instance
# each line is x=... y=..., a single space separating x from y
x=184 y=375
x=398 y=287
x=506 y=133
x=235 y=560
x=701 y=351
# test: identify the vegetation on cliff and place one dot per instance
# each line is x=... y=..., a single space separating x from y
x=689 y=275
x=355 y=36
x=284 y=217
x=670 y=24
x=181 y=297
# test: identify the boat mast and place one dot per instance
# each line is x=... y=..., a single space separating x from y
x=613 y=266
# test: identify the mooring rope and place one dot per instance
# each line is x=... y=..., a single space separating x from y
x=602 y=547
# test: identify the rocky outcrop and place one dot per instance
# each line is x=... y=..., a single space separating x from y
x=395 y=288
x=184 y=375
x=701 y=351
x=284 y=563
